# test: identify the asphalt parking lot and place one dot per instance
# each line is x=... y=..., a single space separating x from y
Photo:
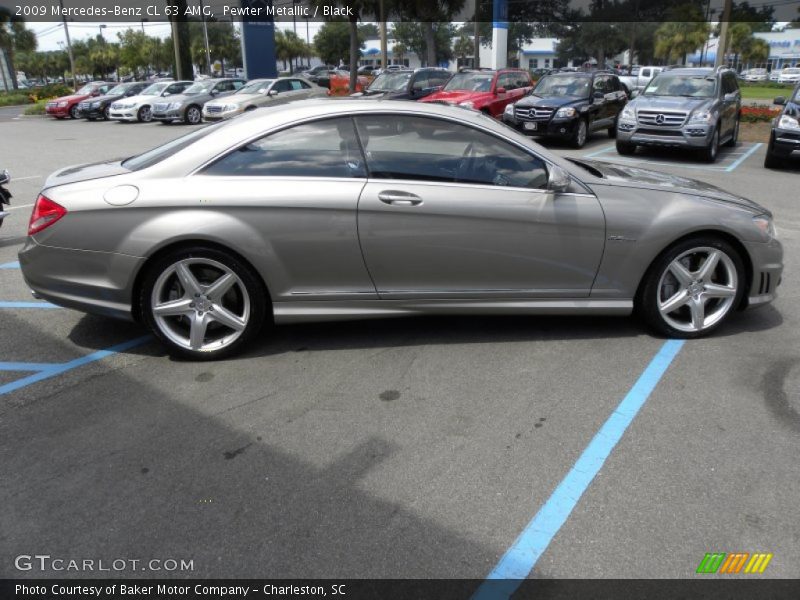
x=419 y=448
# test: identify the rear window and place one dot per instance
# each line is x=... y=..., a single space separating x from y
x=156 y=155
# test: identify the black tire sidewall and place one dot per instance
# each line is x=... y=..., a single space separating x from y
x=646 y=303
x=259 y=300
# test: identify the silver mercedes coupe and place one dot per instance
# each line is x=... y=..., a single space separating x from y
x=351 y=209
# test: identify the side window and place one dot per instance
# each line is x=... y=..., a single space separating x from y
x=304 y=85
x=439 y=79
x=238 y=84
x=421 y=81
x=427 y=149
x=645 y=73
x=506 y=80
x=326 y=148
x=222 y=86
x=282 y=85
x=599 y=84
x=612 y=85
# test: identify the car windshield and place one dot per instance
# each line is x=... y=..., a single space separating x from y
x=390 y=82
x=473 y=82
x=118 y=90
x=259 y=86
x=154 y=89
x=563 y=85
x=201 y=87
x=156 y=155
x=674 y=84
x=85 y=90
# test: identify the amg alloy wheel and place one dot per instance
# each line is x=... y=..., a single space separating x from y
x=709 y=153
x=145 y=114
x=580 y=135
x=202 y=303
x=692 y=288
x=193 y=115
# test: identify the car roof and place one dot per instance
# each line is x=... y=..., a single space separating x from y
x=693 y=71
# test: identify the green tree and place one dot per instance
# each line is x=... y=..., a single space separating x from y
x=431 y=16
x=684 y=33
x=288 y=47
x=756 y=51
x=135 y=50
x=399 y=52
x=463 y=47
x=332 y=42
x=14 y=38
x=414 y=36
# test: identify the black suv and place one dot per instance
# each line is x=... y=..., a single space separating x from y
x=784 y=139
x=569 y=106
x=406 y=84
x=99 y=106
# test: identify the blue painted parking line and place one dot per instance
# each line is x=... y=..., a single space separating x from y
x=743 y=157
x=48 y=370
x=11 y=265
x=27 y=305
x=599 y=152
x=722 y=168
x=520 y=559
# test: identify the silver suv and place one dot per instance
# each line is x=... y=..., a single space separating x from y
x=684 y=108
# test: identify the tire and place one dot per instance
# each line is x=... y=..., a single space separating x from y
x=193 y=321
x=612 y=131
x=193 y=115
x=709 y=153
x=731 y=143
x=625 y=149
x=675 y=302
x=144 y=114
x=106 y=113
x=73 y=111
x=770 y=160
x=581 y=134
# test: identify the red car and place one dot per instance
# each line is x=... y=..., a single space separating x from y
x=67 y=106
x=487 y=91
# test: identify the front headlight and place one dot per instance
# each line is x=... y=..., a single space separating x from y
x=230 y=107
x=766 y=226
x=628 y=113
x=509 y=110
x=96 y=104
x=787 y=122
x=565 y=113
x=467 y=104
x=126 y=106
x=62 y=104
x=702 y=116
x=174 y=106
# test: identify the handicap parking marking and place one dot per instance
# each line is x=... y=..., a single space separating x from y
x=27 y=305
x=10 y=265
x=520 y=559
x=47 y=370
x=737 y=158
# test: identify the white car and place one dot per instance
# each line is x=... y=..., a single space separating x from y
x=789 y=76
x=140 y=108
x=260 y=92
x=754 y=75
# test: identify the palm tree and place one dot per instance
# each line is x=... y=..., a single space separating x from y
x=756 y=51
x=399 y=52
x=14 y=37
x=676 y=39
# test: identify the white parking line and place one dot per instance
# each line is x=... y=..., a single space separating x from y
x=20 y=206
x=28 y=177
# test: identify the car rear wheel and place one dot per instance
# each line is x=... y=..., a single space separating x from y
x=625 y=149
x=735 y=138
x=580 y=135
x=144 y=114
x=709 y=153
x=692 y=288
x=73 y=112
x=106 y=113
x=203 y=303
x=193 y=115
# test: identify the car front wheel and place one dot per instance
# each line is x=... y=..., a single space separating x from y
x=580 y=135
x=203 y=303
x=193 y=115
x=73 y=112
x=770 y=160
x=144 y=115
x=735 y=137
x=692 y=288
x=709 y=153
x=625 y=149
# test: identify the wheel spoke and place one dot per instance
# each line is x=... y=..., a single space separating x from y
x=227 y=318
x=698 y=310
x=681 y=273
x=173 y=308
x=197 y=333
x=674 y=303
x=187 y=279
x=714 y=290
x=217 y=290
x=709 y=266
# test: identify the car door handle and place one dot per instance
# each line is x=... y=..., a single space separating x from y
x=399 y=198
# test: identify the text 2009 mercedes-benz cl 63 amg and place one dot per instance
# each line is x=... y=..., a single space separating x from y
x=324 y=210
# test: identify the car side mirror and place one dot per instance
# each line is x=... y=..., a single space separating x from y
x=598 y=95
x=558 y=180
x=500 y=90
x=731 y=96
x=272 y=93
x=780 y=101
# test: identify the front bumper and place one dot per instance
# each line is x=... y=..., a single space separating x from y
x=219 y=116
x=57 y=111
x=686 y=136
x=786 y=143
x=168 y=115
x=92 y=282
x=554 y=128
x=91 y=113
x=767 y=261
x=123 y=114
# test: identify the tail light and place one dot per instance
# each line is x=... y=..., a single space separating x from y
x=45 y=213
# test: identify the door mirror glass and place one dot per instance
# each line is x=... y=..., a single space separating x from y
x=598 y=95
x=780 y=100
x=558 y=179
x=730 y=97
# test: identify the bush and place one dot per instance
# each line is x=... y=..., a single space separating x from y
x=14 y=98
x=36 y=109
x=758 y=114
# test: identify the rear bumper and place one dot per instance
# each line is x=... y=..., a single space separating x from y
x=92 y=282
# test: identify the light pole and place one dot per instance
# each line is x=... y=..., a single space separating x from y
x=205 y=38
x=102 y=26
x=69 y=44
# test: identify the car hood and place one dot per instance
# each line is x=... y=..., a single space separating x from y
x=107 y=98
x=456 y=96
x=184 y=98
x=670 y=103
x=138 y=99
x=532 y=100
x=657 y=180
x=72 y=98
x=85 y=172
x=234 y=99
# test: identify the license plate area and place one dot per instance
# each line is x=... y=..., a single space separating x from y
x=530 y=126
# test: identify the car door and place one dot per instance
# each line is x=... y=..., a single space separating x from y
x=297 y=189
x=730 y=103
x=599 y=109
x=300 y=89
x=450 y=211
